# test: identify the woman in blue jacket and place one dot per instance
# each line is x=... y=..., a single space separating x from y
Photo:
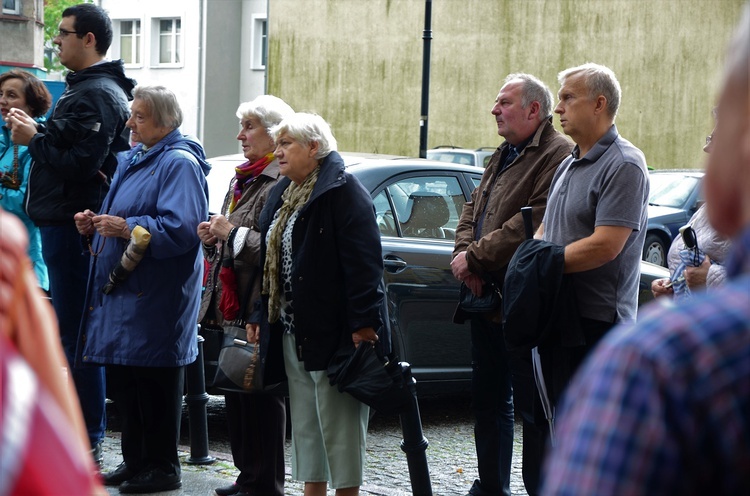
x=322 y=266
x=21 y=90
x=144 y=330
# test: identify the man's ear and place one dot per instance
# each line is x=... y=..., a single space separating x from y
x=534 y=109
x=601 y=104
x=89 y=40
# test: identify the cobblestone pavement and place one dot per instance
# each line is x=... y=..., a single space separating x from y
x=447 y=425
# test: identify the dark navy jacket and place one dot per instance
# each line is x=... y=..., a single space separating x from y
x=539 y=305
x=336 y=270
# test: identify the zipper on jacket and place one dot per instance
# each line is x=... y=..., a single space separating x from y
x=28 y=188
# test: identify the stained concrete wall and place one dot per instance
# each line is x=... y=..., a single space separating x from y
x=359 y=64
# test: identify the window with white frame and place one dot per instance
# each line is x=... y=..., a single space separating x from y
x=12 y=7
x=130 y=42
x=260 y=41
x=169 y=41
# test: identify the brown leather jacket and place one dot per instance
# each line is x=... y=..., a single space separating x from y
x=525 y=182
x=247 y=261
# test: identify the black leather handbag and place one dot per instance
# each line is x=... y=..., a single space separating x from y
x=239 y=367
x=369 y=377
x=488 y=302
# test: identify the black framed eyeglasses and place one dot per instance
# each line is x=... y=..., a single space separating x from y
x=62 y=33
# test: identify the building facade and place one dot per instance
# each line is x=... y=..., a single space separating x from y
x=22 y=35
x=211 y=53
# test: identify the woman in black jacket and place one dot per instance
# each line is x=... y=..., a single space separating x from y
x=322 y=266
x=231 y=245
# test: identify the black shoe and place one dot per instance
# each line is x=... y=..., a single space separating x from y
x=97 y=455
x=228 y=490
x=478 y=490
x=151 y=481
x=119 y=475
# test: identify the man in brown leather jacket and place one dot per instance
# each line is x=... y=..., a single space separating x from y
x=489 y=231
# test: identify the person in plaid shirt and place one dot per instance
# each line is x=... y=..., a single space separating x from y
x=663 y=406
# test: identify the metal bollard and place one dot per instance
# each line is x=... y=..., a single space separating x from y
x=414 y=443
x=196 y=399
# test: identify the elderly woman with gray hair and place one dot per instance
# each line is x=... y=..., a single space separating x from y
x=231 y=245
x=322 y=266
x=144 y=329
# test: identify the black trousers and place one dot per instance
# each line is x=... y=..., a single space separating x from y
x=528 y=406
x=149 y=400
x=492 y=404
x=559 y=366
x=257 y=429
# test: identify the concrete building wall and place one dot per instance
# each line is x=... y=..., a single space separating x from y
x=223 y=53
x=22 y=38
x=210 y=80
x=359 y=64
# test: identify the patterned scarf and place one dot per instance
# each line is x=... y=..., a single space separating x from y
x=294 y=197
x=244 y=174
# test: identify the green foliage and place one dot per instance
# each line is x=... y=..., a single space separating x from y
x=53 y=10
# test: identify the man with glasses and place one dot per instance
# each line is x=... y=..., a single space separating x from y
x=74 y=159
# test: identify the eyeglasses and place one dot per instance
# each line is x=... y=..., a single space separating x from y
x=709 y=139
x=62 y=33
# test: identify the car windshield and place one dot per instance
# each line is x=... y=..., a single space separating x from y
x=671 y=190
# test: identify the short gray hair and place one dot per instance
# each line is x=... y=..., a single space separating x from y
x=268 y=109
x=165 y=110
x=533 y=90
x=600 y=80
x=306 y=128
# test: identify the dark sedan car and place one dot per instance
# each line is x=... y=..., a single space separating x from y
x=417 y=204
x=675 y=196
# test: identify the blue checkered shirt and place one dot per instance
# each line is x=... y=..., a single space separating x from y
x=663 y=406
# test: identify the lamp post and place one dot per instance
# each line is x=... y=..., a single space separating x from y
x=427 y=37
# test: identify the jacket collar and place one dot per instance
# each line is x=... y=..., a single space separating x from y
x=332 y=175
x=599 y=147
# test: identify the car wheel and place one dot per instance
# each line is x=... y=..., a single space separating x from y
x=654 y=250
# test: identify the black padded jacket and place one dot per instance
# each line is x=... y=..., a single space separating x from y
x=75 y=154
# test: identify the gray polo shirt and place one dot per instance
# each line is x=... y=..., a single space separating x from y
x=607 y=187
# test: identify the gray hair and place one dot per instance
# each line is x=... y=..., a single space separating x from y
x=307 y=128
x=165 y=110
x=738 y=52
x=600 y=80
x=268 y=109
x=533 y=90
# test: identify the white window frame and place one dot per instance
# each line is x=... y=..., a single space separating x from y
x=177 y=43
x=14 y=10
x=260 y=41
x=137 y=40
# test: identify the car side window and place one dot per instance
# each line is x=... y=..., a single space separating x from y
x=427 y=206
x=384 y=215
x=476 y=181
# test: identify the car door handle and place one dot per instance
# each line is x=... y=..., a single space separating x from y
x=393 y=264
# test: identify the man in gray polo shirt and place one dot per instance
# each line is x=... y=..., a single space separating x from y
x=597 y=207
